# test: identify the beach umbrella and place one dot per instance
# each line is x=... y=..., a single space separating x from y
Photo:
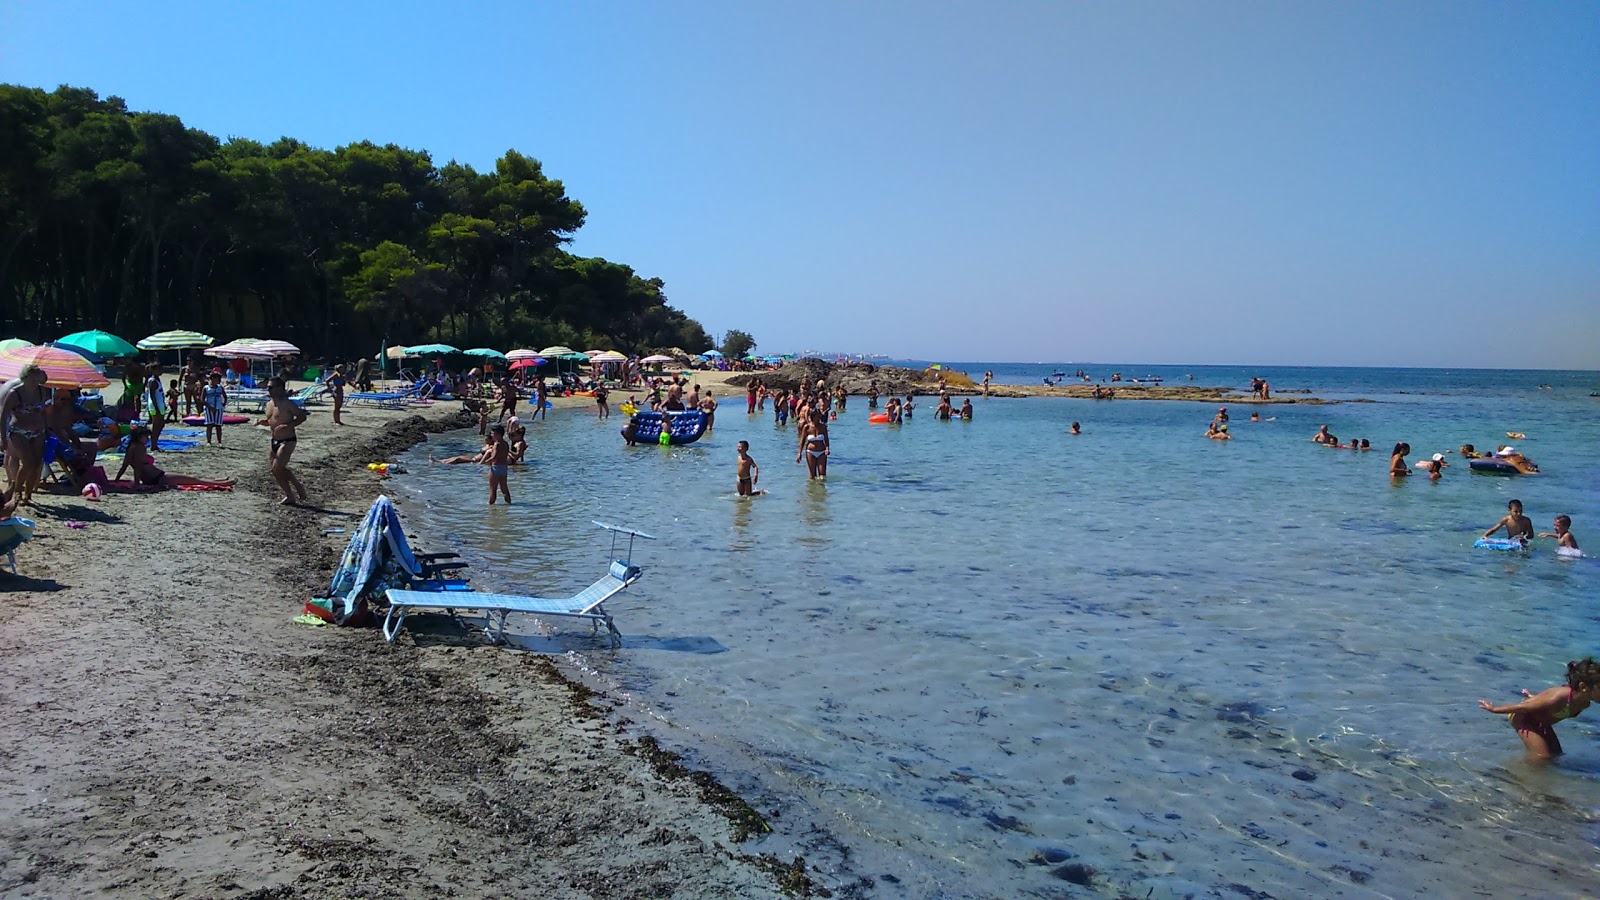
x=94 y=359
x=516 y=355
x=396 y=352
x=527 y=364
x=276 y=348
x=14 y=344
x=100 y=343
x=65 y=368
x=236 y=350
x=485 y=352
x=712 y=354
x=556 y=351
x=609 y=356
x=430 y=350
x=658 y=358
x=176 y=340
x=575 y=357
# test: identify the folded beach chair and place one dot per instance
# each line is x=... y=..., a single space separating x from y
x=14 y=532
x=379 y=557
x=588 y=603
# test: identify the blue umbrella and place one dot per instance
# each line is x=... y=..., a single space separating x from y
x=430 y=350
x=712 y=354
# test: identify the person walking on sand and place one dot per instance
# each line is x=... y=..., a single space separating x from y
x=283 y=416
x=214 y=399
x=155 y=401
x=498 y=455
x=748 y=472
x=336 y=383
x=1535 y=717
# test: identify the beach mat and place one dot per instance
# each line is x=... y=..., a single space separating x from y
x=133 y=487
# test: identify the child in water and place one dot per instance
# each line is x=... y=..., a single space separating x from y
x=1563 y=533
x=1535 y=717
x=748 y=472
x=1518 y=526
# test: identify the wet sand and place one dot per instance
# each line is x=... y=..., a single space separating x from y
x=170 y=731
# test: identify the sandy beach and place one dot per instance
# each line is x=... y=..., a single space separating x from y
x=170 y=731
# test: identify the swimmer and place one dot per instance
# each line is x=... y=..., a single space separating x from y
x=1535 y=717
x=1365 y=445
x=1255 y=416
x=1220 y=433
x=1075 y=429
x=458 y=460
x=748 y=472
x=1468 y=451
x=1435 y=466
x=1562 y=533
x=1323 y=437
x=966 y=409
x=1518 y=526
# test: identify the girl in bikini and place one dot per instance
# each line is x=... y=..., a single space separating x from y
x=147 y=473
x=1535 y=717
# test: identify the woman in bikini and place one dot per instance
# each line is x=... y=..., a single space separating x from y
x=817 y=447
x=282 y=417
x=22 y=430
x=146 y=472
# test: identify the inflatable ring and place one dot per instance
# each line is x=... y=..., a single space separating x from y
x=878 y=418
x=226 y=420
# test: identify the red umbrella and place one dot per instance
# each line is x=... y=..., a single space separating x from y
x=526 y=363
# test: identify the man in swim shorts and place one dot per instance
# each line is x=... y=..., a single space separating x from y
x=283 y=416
x=748 y=472
x=498 y=455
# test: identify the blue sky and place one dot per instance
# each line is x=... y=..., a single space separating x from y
x=1234 y=182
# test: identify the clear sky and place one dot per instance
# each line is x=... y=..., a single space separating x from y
x=1357 y=183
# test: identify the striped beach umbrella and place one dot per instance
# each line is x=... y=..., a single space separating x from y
x=558 y=350
x=276 y=348
x=609 y=356
x=237 y=350
x=516 y=355
x=176 y=340
x=64 y=368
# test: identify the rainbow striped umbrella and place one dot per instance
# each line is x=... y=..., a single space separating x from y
x=64 y=368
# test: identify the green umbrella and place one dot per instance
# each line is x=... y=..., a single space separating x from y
x=100 y=343
x=485 y=352
x=14 y=344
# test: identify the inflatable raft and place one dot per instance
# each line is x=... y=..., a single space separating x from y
x=1499 y=465
x=228 y=419
x=648 y=427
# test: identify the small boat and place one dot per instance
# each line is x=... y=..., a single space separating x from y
x=681 y=427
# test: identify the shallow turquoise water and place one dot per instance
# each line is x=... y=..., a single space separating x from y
x=1187 y=664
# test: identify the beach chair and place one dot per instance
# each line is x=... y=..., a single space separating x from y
x=14 y=532
x=588 y=604
x=378 y=556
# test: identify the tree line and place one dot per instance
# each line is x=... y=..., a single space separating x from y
x=135 y=223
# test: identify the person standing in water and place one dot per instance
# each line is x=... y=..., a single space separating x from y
x=497 y=453
x=1535 y=717
x=1397 y=460
x=283 y=416
x=748 y=472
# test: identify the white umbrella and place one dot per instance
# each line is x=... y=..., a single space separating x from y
x=609 y=356
x=236 y=350
x=522 y=354
x=276 y=348
x=557 y=350
x=658 y=358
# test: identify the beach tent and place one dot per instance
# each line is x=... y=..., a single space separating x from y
x=62 y=368
x=100 y=343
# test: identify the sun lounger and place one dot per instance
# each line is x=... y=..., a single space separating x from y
x=586 y=604
x=14 y=532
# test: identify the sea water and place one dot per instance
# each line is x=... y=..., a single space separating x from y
x=990 y=658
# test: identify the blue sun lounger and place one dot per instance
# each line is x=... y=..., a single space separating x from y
x=588 y=603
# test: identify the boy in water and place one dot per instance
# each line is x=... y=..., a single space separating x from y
x=749 y=473
x=498 y=455
x=1518 y=526
x=1563 y=533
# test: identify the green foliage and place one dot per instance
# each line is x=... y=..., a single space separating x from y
x=736 y=343
x=136 y=223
